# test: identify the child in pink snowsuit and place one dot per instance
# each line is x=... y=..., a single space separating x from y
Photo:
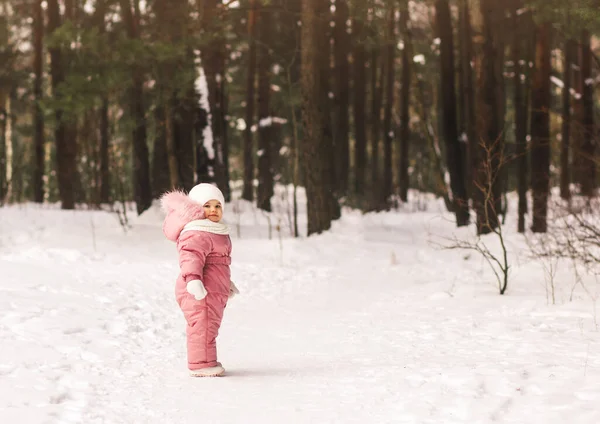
x=203 y=287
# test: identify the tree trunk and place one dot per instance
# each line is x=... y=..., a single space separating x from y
x=565 y=167
x=171 y=148
x=359 y=59
x=448 y=94
x=104 y=159
x=214 y=66
x=265 y=121
x=468 y=106
x=9 y=155
x=225 y=175
x=405 y=102
x=313 y=161
x=330 y=190
x=72 y=120
x=461 y=98
x=104 y=153
x=588 y=148
x=220 y=123
x=433 y=146
x=142 y=191
x=376 y=95
x=39 y=140
x=65 y=148
x=176 y=80
x=248 y=191
x=162 y=173
x=342 y=95
x=180 y=132
x=540 y=128
x=499 y=22
x=487 y=153
x=577 y=127
x=521 y=109
x=388 y=132
x=4 y=165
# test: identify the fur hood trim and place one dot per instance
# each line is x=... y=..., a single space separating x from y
x=180 y=210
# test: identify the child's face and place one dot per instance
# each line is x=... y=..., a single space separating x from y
x=213 y=210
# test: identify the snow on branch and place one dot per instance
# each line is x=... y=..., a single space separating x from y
x=201 y=86
x=270 y=120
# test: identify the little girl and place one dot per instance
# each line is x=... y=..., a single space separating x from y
x=204 y=285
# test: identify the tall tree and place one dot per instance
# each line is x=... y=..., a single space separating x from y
x=66 y=149
x=405 y=101
x=454 y=157
x=165 y=170
x=468 y=95
x=5 y=79
x=588 y=148
x=214 y=60
x=72 y=119
x=224 y=175
x=540 y=128
x=182 y=99
x=165 y=175
x=330 y=189
x=176 y=98
x=175 y=111
x=167 y=132
x=104 y=157
x=5 y=147
x=376 y=73
x=359 y=60
x=499 y=35
x=266 y=127
x=520 y=31
x=565 y=166
x=318 y=206
x=142 y=191
x=577 y=127
x=104 y=152
x=342 y=94
x=488 y=152
x=7 y=74
x=39 y=139
x=388 y=132
x=248 y=191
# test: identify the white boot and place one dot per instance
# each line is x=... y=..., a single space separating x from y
x=208 y=372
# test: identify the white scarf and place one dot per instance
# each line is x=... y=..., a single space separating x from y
x=206 y=225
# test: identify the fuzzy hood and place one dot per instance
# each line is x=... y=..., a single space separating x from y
x=180 y=210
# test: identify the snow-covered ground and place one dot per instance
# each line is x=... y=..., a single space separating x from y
x=369 y=323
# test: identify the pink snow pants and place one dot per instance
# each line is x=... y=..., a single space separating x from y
x=203 y=317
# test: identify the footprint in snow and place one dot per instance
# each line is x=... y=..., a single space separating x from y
x=75 y=330
x=59 y=398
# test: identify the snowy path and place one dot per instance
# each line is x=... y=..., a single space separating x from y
x=367 y=324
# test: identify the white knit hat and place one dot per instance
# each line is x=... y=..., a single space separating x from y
x=204 y=192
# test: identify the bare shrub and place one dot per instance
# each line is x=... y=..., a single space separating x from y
x=489 y=227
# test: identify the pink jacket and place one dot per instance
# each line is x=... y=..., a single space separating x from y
x=196 y=248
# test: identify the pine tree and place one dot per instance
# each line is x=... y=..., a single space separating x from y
x=540 y=128
x=318 y=207
x=454 y=154
x=142 y=191
x=39 y=138
x=405 y=101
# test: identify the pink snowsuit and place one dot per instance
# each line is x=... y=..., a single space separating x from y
x=203 y=256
